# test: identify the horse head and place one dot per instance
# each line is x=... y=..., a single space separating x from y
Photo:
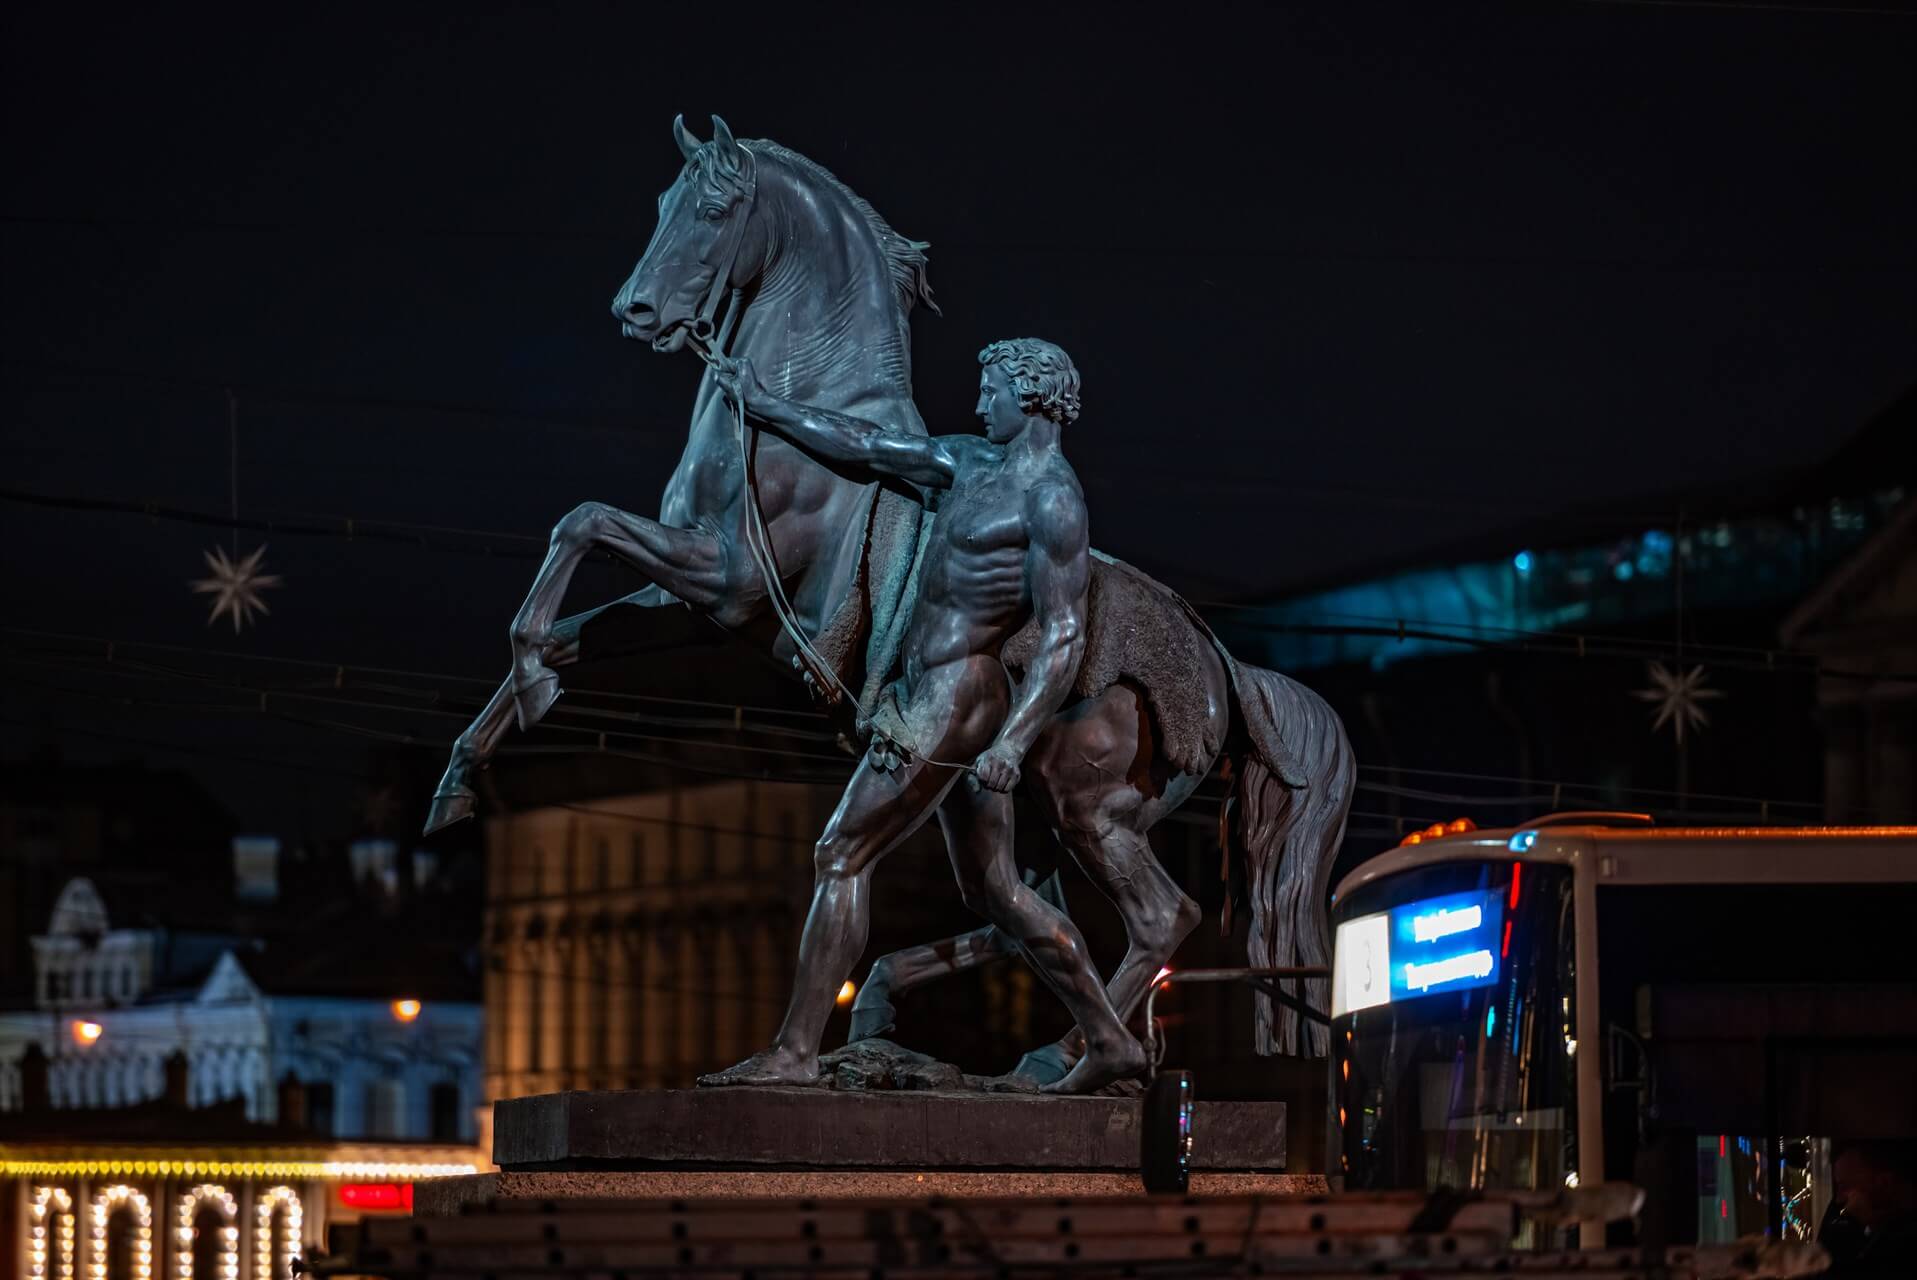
x=697 y=250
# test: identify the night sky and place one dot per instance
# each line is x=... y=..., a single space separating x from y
x=1347 y=284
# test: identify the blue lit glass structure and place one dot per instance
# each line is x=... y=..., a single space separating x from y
x=1751 y=562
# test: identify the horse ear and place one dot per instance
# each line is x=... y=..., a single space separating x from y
x=688 y=145
x=728 y=148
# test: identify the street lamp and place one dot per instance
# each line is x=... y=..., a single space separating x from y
x=85 y=1033
x=405 y=1010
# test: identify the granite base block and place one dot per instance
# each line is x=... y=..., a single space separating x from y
x=445 y=1197
x=815 y=1131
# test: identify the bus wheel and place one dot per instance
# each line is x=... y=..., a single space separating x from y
x=1165 y=1134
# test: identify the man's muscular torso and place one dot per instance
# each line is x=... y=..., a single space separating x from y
x=975 y=587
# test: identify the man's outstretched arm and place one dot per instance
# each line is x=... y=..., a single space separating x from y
x=839 y=437
x=1059 y=568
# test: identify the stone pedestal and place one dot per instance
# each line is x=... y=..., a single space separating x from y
x=820 y=1143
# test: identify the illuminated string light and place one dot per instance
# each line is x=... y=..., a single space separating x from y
x=273 y=1198
x=186 y=1230
x=105 y=1204
x=50 y=1235
x=324 y=1170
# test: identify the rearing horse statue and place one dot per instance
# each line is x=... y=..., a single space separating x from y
x=818 y=291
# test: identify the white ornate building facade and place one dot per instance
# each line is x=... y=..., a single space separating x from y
x=164 y=1114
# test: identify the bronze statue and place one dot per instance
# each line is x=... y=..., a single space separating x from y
x=1008 y=545
x=818 y=291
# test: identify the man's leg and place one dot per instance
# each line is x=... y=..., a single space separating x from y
x=978 y=835
x=964 y=705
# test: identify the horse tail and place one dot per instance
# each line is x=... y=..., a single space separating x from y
x=1286 y=843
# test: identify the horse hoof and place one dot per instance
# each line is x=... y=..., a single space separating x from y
x=1043 y=1066
x=449 y=807
x=533 y=698
x=872 y=1020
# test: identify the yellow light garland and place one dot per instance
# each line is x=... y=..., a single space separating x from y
x=54 y=1203
x=271 y=1199
x=104 y=1204
x=186 y=1230
x=326 y=1170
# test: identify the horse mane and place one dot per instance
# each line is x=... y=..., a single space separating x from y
x=904 y=258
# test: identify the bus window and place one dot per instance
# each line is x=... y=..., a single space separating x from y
x=1453 y=1034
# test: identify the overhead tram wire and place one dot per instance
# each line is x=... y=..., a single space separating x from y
x=348 y=528
x=1203 y=814
x=439 y=705
x=109 y=647
x=833 y=772
x=253 y=692
x=1588 y=787
x=959 y=246
x=259 y=705
x=276 y=394
x=1481 y=636
x=1581 y=645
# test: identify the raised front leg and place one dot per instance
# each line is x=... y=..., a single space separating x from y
x=453 y=799
x=689 y=564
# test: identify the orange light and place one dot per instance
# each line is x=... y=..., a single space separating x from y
x=1416 y=837
x=1458 y=826
x=847 y=991
x=405 y=1010
x=86 y=1032
x=1347 y=1066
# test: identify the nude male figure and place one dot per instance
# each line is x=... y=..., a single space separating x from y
x=1009 y=542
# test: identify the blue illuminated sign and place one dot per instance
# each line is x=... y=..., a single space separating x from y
x=1446 y=944
x=1452 y=943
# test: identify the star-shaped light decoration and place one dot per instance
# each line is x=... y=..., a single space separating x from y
x=1677 y=695
x=235 y=586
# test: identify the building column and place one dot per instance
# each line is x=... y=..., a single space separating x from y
x=552 y=1005
x=660 y=1017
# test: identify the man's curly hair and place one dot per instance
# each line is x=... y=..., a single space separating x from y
x=1042 y=374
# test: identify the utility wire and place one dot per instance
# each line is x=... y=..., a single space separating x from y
x=109 y=649
x=307 y=396
x=260 y=699
x=962 y=247
x=349 y=528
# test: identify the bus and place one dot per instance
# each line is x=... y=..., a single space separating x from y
x=1591 y=997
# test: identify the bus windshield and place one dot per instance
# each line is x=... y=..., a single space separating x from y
x=1453 y=1029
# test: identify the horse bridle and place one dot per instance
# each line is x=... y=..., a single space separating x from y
x=710 y=345
x=700 y=328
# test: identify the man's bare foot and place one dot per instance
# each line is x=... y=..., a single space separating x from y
x=768 y=1066
x=1102 y=1064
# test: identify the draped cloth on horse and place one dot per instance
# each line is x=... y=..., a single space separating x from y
x=1137 y=630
